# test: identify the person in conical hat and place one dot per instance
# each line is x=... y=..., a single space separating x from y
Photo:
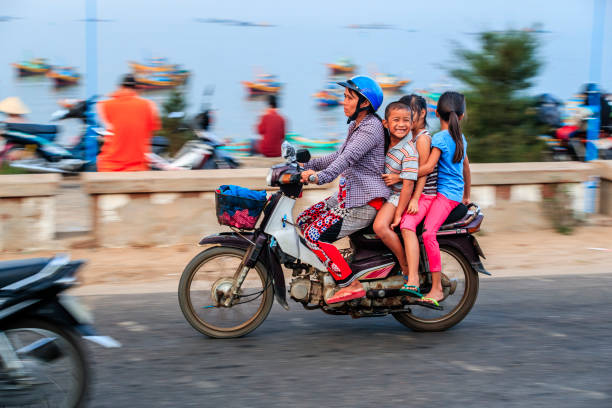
x=14 y=108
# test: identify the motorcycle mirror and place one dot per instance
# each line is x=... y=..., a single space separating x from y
x=59 y=114
x=288 y=152
x=302 y=155
x=176 y=115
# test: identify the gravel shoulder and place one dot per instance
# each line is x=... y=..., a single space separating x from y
x=533 y=253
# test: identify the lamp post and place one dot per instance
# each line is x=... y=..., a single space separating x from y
x=593 y=96
x=91 y=77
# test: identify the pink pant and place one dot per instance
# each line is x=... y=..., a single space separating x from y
x=412 y=221
x=434 y=214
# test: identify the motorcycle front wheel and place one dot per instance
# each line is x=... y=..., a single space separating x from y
x=460 y=279
x=54 y=366
x=205 y=285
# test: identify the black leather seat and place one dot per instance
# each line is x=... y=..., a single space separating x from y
x=46 y=131
x=14 y=271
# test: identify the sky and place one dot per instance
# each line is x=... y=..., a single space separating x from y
x=308 y=34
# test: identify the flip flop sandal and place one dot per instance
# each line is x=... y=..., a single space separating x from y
x=411 y=290
x=429 y=303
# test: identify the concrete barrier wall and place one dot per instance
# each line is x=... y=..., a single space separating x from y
x=27 y=211
x=165 y=208
x=161 y=208
x=604 y=169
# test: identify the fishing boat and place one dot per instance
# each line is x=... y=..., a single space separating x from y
x=263 y=84
x=242 y=148
x=152 y=65
x=330 y=96
x=36 y=66
x=314 y=145
x=180 y=75
x=156 y=81
x=342 y=67
x=431 y=97
x=63 y=76
x=390 y=83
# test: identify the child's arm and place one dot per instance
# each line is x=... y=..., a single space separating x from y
x=423 y=146
x=432 y=160
x=467 y=180
x=407 y=186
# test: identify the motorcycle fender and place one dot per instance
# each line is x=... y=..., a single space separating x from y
x=278 y=277
x=230 y=239
x=245 y=241
x=468 y=246
x=69 y=312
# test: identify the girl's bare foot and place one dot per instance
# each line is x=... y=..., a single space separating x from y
x=435 y=293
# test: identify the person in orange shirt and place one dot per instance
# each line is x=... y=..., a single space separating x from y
x=132 y=121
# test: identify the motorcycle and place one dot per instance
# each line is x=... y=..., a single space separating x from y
x=227 y=290
x=42 y=357
x=48 y=156
x=201 y=153
x=51 y=157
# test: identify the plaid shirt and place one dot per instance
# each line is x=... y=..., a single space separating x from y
x=360 y=159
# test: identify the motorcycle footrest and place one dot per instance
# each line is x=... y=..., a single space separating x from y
x=383 y=293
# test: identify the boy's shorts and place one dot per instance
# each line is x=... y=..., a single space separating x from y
x=411 y=221
x=394 y=199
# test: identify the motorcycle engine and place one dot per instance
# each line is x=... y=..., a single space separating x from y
x=305 y=290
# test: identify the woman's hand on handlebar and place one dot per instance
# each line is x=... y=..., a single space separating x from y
x=309 y=176
x=391 y=179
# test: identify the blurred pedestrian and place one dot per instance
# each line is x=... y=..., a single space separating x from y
x=15 y=110
x=132 y=121
x=271 y=127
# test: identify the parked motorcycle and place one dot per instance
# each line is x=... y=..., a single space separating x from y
x=48 y=156
x=228 y=289
x=39 y=142
x=200 y=153
x=42 y=358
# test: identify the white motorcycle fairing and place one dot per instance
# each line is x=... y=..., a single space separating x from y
x=282 y=228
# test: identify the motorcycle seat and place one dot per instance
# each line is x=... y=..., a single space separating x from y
x=46 y=131
x=14 y=271
x=366 y=238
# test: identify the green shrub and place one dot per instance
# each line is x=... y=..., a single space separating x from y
x=500 y=123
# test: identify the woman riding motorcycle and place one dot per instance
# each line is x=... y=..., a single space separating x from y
x=359 y=163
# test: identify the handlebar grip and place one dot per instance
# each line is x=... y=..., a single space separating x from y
x=312 y=178
x=295 y=178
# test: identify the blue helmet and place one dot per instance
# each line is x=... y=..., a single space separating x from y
x=366 y=87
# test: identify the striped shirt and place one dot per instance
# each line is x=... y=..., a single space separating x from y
x=402 y=159
x=360 y=159
x=431 y=183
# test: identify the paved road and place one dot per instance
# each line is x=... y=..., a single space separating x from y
x=537 y=342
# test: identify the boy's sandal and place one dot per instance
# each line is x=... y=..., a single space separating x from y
x=429 y=303
x=411 y=290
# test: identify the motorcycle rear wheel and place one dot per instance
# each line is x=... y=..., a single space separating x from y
x=434 y=321
x=59 y=374
x=218 y=267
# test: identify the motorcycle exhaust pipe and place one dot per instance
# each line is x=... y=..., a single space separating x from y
x=37 y=169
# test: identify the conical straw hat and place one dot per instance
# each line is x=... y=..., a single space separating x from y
x=13 y=106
